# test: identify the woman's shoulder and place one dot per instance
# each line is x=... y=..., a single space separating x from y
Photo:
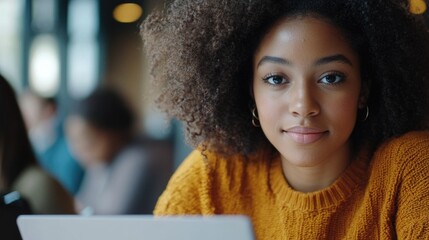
x=213 y=162
x=407 y=152
x=400 y=178
x=408 y=144
x=201 y=179
x=185 y=188
x=220 y=172
x=197 y=165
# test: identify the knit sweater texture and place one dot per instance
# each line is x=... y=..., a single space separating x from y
x=385 y=197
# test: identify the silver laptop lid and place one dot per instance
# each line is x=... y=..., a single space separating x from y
x=134 y=227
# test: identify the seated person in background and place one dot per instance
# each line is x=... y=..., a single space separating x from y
x=48 y=139
x=118 y=171
x=19 y=170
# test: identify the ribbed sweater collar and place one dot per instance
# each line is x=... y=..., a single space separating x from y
x=328 y=197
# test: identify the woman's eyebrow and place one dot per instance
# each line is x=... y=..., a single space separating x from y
x=333 y=58
x=321 y=61
x=272 y=59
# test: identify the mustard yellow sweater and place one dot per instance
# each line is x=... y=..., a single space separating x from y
x=384 y=198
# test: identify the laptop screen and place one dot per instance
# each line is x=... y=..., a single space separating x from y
x=134 y=227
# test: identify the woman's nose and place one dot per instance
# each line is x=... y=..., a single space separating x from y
x=303 y=101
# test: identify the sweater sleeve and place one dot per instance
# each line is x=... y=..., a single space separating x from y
x=412 y=218
x=188 y=190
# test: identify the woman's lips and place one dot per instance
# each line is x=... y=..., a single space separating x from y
x=304 y=135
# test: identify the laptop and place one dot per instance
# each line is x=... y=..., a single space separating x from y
x=134 y=227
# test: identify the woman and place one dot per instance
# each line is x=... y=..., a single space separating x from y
x=307 y=115
x=19 y=170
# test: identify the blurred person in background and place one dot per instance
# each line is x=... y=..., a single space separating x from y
x=19 y=169
x=48 y=139
x=119 y=174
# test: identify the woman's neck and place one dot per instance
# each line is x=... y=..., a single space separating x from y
x=315 y=178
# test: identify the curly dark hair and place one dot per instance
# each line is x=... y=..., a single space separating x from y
x=201 y=52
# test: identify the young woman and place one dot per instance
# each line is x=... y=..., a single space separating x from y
x=307 y=115
x=19 y=170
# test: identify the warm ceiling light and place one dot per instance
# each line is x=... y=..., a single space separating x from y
x=417 y=6
x=127 y=12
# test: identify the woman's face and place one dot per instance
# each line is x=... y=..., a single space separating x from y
x=306 y=87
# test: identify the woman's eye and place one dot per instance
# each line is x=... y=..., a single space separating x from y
x=333 y=78
x=274 y=79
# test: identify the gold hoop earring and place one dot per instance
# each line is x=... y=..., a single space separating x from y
x=255 y=119
x=366 y=114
